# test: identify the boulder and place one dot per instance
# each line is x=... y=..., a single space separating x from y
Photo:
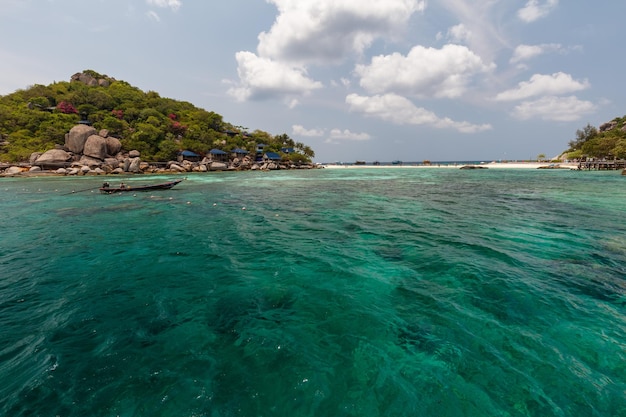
x=187 y=165
x=90 y=161
x=605 y=127
x=218 y=166
x=134 y=166
x=13 y=170
x=176 y=168
x=53 y=156
x=96 y=147
x=34 y=169
x=61 y=171
x=112 y=162
x=134 y=154
x=104 y=133
x=114 y=146
x=76 y=138
x=33 y=157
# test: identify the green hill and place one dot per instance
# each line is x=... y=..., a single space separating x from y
x=37 y=119
x=607 y=141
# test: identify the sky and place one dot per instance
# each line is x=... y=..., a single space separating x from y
x=373 y=80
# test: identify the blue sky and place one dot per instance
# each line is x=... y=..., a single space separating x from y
x=353 y=79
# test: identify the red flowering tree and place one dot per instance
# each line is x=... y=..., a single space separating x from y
x=118 y=113
x=66 y=107
x=178 y=129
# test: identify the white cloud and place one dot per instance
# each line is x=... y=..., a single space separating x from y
x=263 y=78
x=323 y=31
x=399 y=110
x=338 y=134
x=459 y=33
x=424 y=72
x=541 y=85
x=172 y=4
x=536 y=9
x=527 y=52
x=561 y=109
x=302 y=131
x=479 y=25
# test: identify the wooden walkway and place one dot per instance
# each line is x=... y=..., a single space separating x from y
x=603 y=165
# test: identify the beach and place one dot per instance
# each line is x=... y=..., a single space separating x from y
x=495 y=165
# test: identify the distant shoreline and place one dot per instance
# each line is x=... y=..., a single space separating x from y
x=434 y=165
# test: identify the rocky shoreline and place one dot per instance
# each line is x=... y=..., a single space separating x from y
x=90 y=152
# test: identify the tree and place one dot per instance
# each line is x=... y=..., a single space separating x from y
x=586 y=134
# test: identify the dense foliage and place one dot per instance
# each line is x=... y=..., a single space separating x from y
x=37 y=118
x=608 y=141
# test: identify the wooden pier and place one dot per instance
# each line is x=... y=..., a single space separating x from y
x=612 y=165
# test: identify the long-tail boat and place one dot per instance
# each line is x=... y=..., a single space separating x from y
x=107 y=189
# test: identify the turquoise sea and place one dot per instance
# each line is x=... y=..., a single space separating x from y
x=332 y=292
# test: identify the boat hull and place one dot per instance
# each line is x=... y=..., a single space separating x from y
x=155 y=187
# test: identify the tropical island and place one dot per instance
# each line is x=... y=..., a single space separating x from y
x=94 y=123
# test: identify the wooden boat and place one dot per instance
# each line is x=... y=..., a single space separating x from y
x=107 y=189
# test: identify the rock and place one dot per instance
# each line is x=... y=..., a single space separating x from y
x=117 y=171
x=76 y=138
x=177 y=168
x=202 y=168
x=134 y=165
x=112 y=162
x=73 y=171
x=218 y=166
x=114 y=146
x=90 y=162
x=98 y=171
x=604 y=127
x=103 y=133
x=33 y=157
x=13 y=170
x=34 y=169
x=61 y=171
x=96 y=147
x=187 y=165
x=134 y=154
x=85 y=170
x=53 y=156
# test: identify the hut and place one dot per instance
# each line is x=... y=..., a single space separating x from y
x=218 y=155
x=188 y=156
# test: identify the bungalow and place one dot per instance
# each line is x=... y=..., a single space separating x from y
x=189 y=156
x=287 y=150
x=271 y=157
x=239 y=153
x=218 y=155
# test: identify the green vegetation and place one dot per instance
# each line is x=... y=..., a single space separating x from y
x=608 y=141
x=37 y=118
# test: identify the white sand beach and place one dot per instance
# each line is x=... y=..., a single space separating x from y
x=490 y=165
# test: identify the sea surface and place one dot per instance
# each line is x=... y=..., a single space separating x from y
x=345 y=292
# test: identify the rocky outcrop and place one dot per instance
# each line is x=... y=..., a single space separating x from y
x=605 y=127
x=77 y=136
x=92 y=81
